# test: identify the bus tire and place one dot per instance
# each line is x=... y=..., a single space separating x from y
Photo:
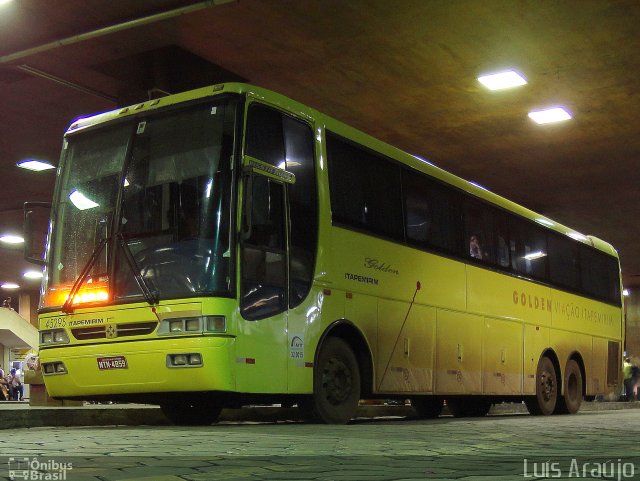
x=570 y=402
x=476 y=407
x=427 y=407
x=336 y=385
x=188 y=413
x=546 y=398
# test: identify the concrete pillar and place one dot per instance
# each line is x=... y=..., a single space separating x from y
x=632 y=309
x=24 y=307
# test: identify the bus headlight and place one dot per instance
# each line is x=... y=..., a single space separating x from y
x=216 y=324
x=192 y=359
x=53 y=336
x=176 y=325
x=192 y=325
x=50 y=368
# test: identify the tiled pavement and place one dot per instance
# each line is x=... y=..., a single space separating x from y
x=492 y=448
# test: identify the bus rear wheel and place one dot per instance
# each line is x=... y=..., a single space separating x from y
x=427 y=407
x=546 y=398
x=468 y=407
x=572 y=399
x=191 y=413
x=336 y=385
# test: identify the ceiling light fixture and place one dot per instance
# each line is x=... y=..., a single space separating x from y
x=32 y=274
x=3 y=2
x=35 y=165
x=81 y=201
x=502 y=80
x=9 y=285
x=625 y=292
x=11 y=239
x=557 y=114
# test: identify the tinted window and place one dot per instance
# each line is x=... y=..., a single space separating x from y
x=479 y=232
x=264 y=275
x=528 y=247
x=303 y=207
x=563 y=261
x=599 y=274
x=365 y=189
x=287 y=143
x=432 y=218
x=264 y=135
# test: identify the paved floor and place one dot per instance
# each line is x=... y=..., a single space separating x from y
x=590 y=445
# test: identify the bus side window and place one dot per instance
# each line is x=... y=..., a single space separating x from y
x=528 y=249
x=303 y=208
x=430 y=213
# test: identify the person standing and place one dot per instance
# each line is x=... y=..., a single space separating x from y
x=629 y=379
x=16 y=389
x=4 y=387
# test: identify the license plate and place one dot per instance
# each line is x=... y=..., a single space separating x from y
x=115 y=362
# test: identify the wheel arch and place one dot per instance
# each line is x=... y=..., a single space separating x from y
x=348 y=332
x=551 y=354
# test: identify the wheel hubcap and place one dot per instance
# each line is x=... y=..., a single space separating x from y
x=336 y=381
x=548 y=386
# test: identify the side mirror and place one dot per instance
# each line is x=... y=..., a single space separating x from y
x=28 y=211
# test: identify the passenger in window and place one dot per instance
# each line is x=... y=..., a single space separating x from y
x=474 y=247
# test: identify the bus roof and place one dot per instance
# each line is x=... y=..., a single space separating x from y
x=351 y=133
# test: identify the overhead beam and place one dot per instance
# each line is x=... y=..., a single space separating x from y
x=101 y=32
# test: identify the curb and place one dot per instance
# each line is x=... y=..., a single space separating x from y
x=136 y=415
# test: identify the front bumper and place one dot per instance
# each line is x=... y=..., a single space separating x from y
x=147 y=370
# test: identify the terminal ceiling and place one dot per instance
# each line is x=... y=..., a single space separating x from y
x=403 y=71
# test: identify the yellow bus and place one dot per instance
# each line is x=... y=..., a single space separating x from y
x=229 y=246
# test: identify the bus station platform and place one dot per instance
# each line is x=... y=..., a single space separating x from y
x=22 y=415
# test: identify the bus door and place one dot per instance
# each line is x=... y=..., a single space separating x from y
x=262 y=333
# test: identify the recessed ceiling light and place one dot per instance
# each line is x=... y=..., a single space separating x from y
x=36 y=165
x=625 y=292
x=9 y=285
x=2 y=2
x=502 y=80
x=11 y=239
x=557 y=114
x=33 y=275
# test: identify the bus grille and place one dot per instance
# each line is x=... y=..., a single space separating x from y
x=113 y=331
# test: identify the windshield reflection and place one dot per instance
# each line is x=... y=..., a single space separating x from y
x=171 y=237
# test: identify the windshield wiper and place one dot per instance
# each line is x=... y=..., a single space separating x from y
x=151 y=297
x=68 y=304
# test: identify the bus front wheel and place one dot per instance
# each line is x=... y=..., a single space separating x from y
x=546 y=398
x=336 y=385
x=191 y=413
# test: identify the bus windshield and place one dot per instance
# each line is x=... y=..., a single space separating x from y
x=144 y=206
